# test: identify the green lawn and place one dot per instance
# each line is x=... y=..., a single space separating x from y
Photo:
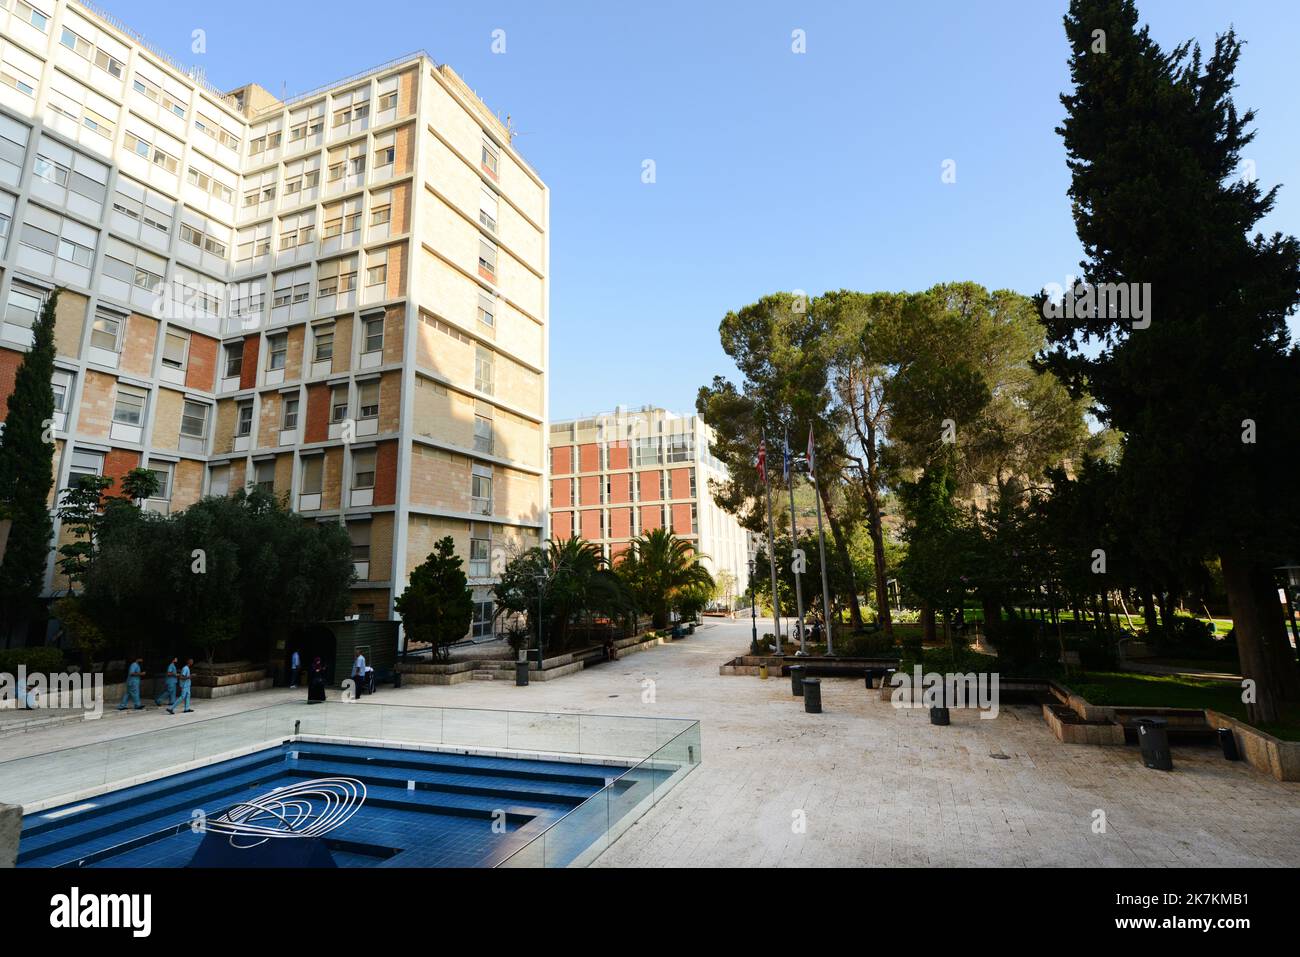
x=1175 y=691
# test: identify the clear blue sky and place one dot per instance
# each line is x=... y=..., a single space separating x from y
x=774 y=170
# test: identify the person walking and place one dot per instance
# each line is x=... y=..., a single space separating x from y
x=295 y=663
x=316 y=682
x=132 y=694
x=169 y=692
x=185 y=688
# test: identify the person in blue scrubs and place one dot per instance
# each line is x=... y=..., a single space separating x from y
x=185 y=688
x=169 y=692
x=132 y=695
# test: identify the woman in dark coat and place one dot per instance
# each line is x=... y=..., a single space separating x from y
x=316 y=685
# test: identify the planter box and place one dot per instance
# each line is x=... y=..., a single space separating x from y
x=1261 y=751
x=1069 y=728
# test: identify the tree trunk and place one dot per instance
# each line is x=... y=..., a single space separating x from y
x=842 y=550
x=1262 y=645
x=992 y=617
x=927 y=622
x=1149 y=613
x=875 y=528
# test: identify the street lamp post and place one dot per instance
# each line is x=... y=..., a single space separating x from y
x=541 y=586
x=753 y=605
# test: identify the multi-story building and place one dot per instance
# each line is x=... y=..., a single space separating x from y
x=618 y=474
x=341 y=298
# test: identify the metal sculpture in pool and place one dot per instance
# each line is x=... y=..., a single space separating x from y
x=305 y=812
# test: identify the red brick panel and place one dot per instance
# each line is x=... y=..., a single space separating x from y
x=651 y=517
x=201 y=370
x=248 y=371
x=117 y=462
x=590 y=523
x=9 y=363
x=620 y=523
x=385 y=473
x=561 y=491
x=681 y=483
x=562 y=525
x=649 y=488
x=618 y=456
x=620 y=487
x=317 y=428
x=589 y=457
x=590 y=490
x=562 y=459
x=682 y=518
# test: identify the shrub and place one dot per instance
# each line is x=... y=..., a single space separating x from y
x=37 y=660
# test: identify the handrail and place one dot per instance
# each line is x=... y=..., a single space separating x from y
x=324 y=87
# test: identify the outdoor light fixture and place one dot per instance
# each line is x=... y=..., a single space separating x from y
x=753 y=601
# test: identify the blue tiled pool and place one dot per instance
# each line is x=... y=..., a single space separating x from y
x=422 y=808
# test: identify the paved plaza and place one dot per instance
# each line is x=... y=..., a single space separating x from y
x=862 y=783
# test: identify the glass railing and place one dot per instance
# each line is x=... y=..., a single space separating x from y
x=643 y=753
x=579 y=836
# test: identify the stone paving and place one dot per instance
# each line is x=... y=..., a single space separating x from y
x=870 y=784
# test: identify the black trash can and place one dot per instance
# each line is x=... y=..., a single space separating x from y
x=812 y=695
x=397 y=679
x=1229 y=744
x=1153 y=736
x=796 y=680
x=521 y=673
x=939 y=716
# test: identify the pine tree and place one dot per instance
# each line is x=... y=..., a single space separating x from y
x=27 y=475
x=1205 y=387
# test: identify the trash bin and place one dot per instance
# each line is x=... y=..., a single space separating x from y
x=812 y=695
x=939 y=716
x=796 y=680
x=397 y=679
x=521 y=674
x=1229 y=744
x=1153 y=736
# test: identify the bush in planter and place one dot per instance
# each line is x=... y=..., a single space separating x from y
x=37 y=660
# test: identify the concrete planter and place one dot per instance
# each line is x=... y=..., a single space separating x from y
x=1261 y=751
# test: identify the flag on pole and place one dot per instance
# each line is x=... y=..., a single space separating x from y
x=785 y=462
x=811 y=456
x=762 y=460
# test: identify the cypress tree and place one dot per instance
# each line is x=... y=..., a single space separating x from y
x=27 y=475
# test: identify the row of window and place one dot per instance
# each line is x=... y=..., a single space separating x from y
x=635 y=524
x=606 y=490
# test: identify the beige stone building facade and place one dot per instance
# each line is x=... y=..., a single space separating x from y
x=341 y=298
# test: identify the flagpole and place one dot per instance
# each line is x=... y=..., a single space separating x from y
x=771 y=555
x=821 y=542
x=794 y=544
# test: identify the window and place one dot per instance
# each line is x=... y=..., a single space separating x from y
x=381 y=215
x=83 y=48
x=323 y=337
x=129 y=407
x=385 y=156
x=110 y=65
x=313 y=474
x=359 y=532
x=175 y=347
x=373 y=329
x=483 y=370
x=244 y=426
x=162 y=472
x=491 y=159
x=289 y=417
x=278 y=349
x=23 y=307
x=483 y=441
x=338 y=404
x=84 y=462
x=488 y=209
x=363 y=469
x=481 y=494
x=40 y=21
x=61 y=385
x=377 y=275
x=104 y=334
x=368 y=400
x=191 y=235
x=234 y=359
x=480 y=553
x=264 y=476
x=387 y=101
x=487 y=257
x=194 y=420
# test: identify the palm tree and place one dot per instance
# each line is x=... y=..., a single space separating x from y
x=661 y=569
x=571 y=578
